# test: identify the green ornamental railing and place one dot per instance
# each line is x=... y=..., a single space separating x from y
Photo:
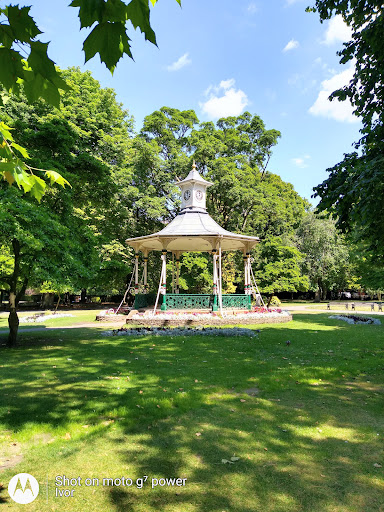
x=194 y=301
x=201 y=301
x=188 y=301
x=143 y=300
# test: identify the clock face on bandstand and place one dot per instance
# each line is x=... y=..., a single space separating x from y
x=187 y=195
x=199 y=195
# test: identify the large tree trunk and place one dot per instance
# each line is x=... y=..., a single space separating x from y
x=14 y=295
x=83 y=296
x=13 y=320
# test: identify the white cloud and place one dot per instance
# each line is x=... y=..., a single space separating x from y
x=224 y=100
x=291 y=2
x=183 y=61
x=291 y=45
x=301 y=161
x=337 y=31
x=338 y=110
x=252 y=8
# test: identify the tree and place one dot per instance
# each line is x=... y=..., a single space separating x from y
x=42 y=247
x=278 y=268
x=326 y=253
x=25 y=66
x=354 y=189
x=245 y=198
x=89 y=138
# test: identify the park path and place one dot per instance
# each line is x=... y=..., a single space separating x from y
x=310 y=309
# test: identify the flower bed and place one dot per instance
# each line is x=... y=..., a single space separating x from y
x=184 y=331
x=42 y=317
x=354 y=319
x=195 y=319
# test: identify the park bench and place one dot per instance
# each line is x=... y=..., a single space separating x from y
x=379 y=306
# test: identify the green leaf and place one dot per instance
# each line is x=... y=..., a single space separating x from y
x=5 y=131
x=55 y=177
x=90 y=11
x=38 y=187
x=23 y=25
x=115 y=10
x=110 y=41
x=20 y=149
x=138 y=13
x=11 y=68
x=16 y=171
x=41 y=78
x=6 y=35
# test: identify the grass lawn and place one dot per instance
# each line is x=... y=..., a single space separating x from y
x=303 y=423
x=78 y=317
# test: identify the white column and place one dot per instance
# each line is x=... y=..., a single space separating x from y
x=177 y=272
x=214 y=254
x=220 y=283
x=145 y=278
x=249 y=273
x=136 y=272
x=246 y=282
x=164 y=272
x=173 y=273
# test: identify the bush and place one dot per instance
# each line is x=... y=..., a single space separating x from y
x=275 y=302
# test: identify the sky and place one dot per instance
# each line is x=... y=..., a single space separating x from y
x=225 y=57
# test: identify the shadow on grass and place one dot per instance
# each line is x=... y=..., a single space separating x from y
x=305 y=441
x=3 y=499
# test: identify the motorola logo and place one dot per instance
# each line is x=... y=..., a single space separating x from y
x=23 y=488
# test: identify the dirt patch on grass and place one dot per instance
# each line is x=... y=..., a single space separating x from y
x=11 y=456
x=252 y=391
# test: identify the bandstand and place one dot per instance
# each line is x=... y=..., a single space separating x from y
x=194 y=230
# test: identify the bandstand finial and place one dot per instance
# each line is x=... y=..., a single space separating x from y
x=194 y=165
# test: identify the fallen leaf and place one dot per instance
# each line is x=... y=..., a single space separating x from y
x=242 y=400
x=67 y=436
x=234 y=459
x=376 y=465
x=198 y=434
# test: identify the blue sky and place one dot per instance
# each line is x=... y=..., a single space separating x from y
x=223 y=57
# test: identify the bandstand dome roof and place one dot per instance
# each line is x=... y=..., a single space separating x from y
x=193 y=229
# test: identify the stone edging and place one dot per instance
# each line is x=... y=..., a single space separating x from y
x=110 y=318
x=174 y=322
